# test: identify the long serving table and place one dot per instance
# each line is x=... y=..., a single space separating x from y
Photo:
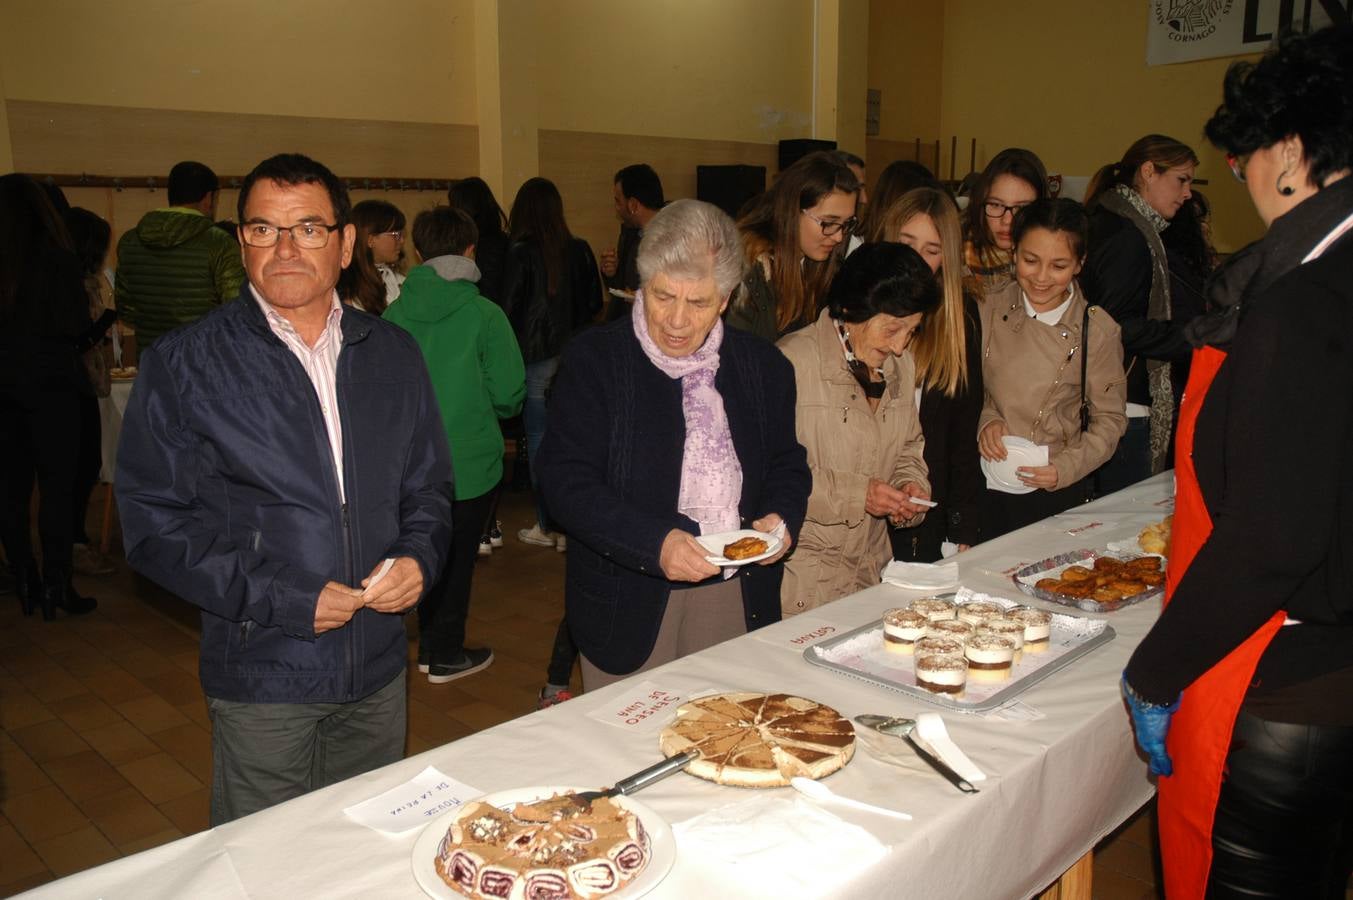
x=1056 y=785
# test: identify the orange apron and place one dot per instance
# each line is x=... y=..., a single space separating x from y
x=1200 y=733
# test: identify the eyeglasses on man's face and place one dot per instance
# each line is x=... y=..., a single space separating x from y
x=995 y=209
x=306 y=235
x=1238 y=164
x=830 y=227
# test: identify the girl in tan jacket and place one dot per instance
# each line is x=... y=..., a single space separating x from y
x=856 y=416
x=1034 y=335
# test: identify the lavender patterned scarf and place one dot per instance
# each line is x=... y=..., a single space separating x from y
x=711 y=476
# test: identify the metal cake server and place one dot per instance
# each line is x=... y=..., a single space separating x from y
x=641 y=779
x=896 y=726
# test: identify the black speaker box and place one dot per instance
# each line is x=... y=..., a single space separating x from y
x=792 y=151
x=729 y=187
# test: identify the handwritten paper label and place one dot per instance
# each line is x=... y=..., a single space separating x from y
x=806 y=631
x=644 y=709
x=412 y=804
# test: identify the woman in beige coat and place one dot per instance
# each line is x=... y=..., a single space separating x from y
x=856 y=416
x=1033 y=335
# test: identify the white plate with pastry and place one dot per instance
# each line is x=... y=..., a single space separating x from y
x=661 y=847
x=742 y=544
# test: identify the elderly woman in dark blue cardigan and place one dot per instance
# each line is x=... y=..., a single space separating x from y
x=663 y=426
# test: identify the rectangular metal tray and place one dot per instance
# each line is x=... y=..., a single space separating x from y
x=1026 y=577
x=1065 y=647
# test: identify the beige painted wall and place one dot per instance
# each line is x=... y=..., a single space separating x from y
x=398 y=60
x=906 y=48
x=1074 y=87
x=726 y=70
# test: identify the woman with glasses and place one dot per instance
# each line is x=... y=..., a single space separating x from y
x=947 y=350
x=1240 y=692
x=795 y=237
x=1127 y=272
x=856 y=417
x=372 y=280
x=1011 y=181
x=1052 y=369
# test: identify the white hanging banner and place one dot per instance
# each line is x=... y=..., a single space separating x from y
x=1181 y=30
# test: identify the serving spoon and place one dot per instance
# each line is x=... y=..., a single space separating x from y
x=823 y=794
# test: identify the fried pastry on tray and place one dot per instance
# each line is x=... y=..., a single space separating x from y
x=1078 y=590
x=1048 y=584
x=1077 y=573
x=1108 y=564
x=1151 y=579
x=1143 y=564
x=1106 y=595
x=1128 y=587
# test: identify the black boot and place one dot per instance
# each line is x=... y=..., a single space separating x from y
x=59 y=593
x=28 y=585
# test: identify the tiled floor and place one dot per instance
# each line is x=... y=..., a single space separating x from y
x=104 y=743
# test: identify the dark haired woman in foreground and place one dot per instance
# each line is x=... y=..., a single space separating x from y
x=1041 y=384
x=857 y=418
x=1258 y=801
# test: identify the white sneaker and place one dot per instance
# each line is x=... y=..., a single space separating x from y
x=534 y=535
x=561 y=543
x=496 y=535
x=485 y=546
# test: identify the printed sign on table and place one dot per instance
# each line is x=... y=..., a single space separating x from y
x=644 y=708
x=412 y=804
x=807 y=630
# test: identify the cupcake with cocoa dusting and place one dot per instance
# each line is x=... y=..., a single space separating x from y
x=902 y=628
x=990 y=656
x=941 y=674
x=975 y=612
x=934 y=608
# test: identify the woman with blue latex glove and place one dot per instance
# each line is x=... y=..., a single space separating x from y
x=1151 y=723
x=1257 y=630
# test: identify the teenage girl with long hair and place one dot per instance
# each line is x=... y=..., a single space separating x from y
x=795 y=238
x=948 y=355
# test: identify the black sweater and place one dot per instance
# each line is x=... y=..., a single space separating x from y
x=950 y=428
x=1273 y=451
x=1117 y=276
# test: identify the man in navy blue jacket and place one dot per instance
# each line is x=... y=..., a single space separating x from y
x=283 y=466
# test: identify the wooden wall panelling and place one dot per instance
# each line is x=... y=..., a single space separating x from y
x=111 y=140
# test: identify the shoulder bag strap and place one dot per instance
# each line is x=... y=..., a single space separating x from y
x=1085 y=357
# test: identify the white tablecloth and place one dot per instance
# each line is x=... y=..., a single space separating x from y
x=1055 y=786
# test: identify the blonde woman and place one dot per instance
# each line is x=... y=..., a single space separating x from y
x=948 y=354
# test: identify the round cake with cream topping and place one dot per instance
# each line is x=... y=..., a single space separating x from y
x=558 y=848
x=759 y=740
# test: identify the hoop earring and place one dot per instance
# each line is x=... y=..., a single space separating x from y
x=1285 y=189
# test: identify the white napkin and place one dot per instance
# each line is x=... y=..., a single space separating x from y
x=930 y=731
x=773 y=846
x=921 y=576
